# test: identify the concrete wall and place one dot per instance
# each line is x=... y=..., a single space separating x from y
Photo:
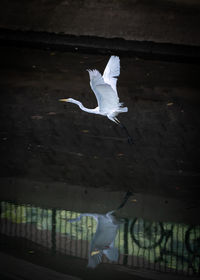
x=145 y=20
x=44 y=140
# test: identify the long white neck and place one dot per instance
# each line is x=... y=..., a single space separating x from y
x=92 y=111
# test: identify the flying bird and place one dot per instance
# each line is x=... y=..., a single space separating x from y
x=105 y=90
x=103 y=241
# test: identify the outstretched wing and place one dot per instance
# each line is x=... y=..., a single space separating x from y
x=112 y=254
x=112 y=71
x=107 y=98
x=95 y=216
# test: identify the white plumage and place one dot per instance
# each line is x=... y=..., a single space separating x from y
x=103 y=240
x=105 y=90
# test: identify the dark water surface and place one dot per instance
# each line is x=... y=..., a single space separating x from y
x=142 y=244
x=58 y=162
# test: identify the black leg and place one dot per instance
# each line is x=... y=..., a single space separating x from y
x=128 y=194
x=130 y=139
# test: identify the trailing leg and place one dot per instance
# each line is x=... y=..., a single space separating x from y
x=130 y=139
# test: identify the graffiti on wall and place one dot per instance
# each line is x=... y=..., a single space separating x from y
x=160 y=246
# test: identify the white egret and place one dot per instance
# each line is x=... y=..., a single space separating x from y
x=104 y=237
x=105 y=90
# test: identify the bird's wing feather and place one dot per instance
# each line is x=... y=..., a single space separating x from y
x=95 y=78
x=112 y=254
x=112 y=71
x=107 y=98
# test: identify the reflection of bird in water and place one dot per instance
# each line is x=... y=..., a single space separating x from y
x=104 y=237
x=105 y=90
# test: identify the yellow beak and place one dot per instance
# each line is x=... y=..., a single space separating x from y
x=94 y=253
x=64 y=100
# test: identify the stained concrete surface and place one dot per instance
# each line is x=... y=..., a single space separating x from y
x=166 y=21
x=44 y=140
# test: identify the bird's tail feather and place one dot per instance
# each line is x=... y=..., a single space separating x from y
x=123 y=109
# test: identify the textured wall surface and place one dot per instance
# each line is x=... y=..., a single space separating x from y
x=45 y=140
x=144 y=20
